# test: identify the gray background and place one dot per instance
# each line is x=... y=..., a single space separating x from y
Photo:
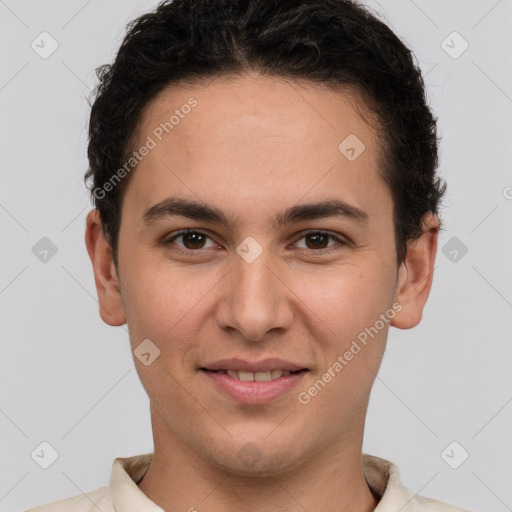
x=69 y=379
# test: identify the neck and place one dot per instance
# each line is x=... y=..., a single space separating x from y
x=332 y=480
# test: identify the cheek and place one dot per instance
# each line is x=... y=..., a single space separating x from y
x=351 y=338
x=348 y=299
x=170 y=310
x=350 y=351
x=160 y=298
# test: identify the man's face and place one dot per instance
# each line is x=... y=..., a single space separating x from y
x=254 y=290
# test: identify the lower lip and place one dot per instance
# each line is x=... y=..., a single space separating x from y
x=254 y=392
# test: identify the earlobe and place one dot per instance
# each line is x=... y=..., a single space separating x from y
x=105 y=274
x=416 y=274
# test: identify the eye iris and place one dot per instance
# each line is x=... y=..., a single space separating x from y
x=316 y=237
x=195 y=240
x=194 y=235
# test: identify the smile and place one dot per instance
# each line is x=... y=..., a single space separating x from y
x=254 y=387
x=258 y=376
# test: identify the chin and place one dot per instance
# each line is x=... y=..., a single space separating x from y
x=256 y=459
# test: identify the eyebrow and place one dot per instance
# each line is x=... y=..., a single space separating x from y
x=200 y=211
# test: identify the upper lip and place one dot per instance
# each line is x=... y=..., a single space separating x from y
x=265 y=365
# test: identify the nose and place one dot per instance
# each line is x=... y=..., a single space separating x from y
x=255 y=298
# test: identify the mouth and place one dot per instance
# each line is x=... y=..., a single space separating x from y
x=254 y=388
x=246 y=376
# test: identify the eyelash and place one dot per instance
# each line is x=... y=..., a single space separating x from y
x=169 y=241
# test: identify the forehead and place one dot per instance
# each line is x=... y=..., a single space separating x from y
x=273 y=106
x=260 y=140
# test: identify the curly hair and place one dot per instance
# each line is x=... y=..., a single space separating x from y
x=338 y=43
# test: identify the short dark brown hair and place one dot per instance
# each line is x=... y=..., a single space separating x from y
x=339 y=43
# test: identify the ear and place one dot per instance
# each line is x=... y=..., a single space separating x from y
x=105 y=275
x=416 y=274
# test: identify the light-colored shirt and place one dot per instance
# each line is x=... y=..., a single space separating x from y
x=123 y=495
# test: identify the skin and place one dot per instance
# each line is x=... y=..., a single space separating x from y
x=254 y=146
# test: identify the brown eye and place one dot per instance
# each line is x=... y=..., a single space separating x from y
x=191 y=239
x=317 y=240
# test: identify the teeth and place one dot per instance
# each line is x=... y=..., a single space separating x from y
x=258 y=376
x=275 y=374
x=262 y=376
